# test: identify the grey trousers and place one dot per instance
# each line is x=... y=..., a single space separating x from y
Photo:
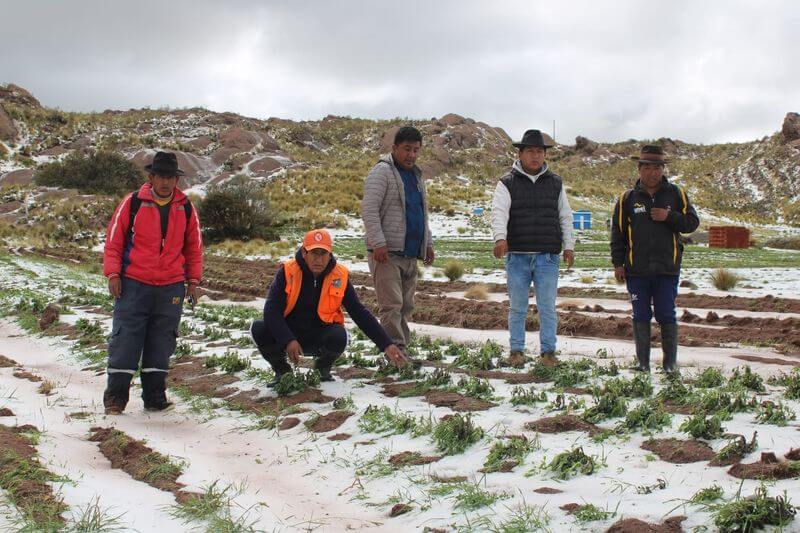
x=395 y=285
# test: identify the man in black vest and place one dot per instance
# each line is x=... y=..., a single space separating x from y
x=531 y=224
x=646 y=252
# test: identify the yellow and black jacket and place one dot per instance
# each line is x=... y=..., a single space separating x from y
x=646 y=247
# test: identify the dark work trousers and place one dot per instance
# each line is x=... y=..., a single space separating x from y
x=145 y=326
x=658 y=290
x=328 y=340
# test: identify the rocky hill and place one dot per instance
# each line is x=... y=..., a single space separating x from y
x=313 y=170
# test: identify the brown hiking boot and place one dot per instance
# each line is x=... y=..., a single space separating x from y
x=548 y=359
x=516 y=359
x=114 y=410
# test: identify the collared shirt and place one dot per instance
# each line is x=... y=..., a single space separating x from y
x=501 y=204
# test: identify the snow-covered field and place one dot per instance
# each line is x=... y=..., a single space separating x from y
x=298 y=479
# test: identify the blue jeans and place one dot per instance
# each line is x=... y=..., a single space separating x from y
x=542 y=269
x=660 y=290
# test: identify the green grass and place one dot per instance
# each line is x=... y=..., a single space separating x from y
x=297 y=381
x=210 y=502
x=647 y=416
x=41 y=513
x=92 y=518
x=774 y=413
x=572 y=463
x=702 y=427
x=752 y=513
x=592 y=513
x=606 y=406
x=473 y=497
x=738 y=446
x=512 y=450
x=522 y=396
x=385 y=421
x=229 y=362
x=455 y=434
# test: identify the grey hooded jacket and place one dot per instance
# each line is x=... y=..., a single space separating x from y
x=383 y=208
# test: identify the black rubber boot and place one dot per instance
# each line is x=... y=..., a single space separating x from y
x=641 y=336
x=154 y=391
x=324 y=362
x=117 y=392
x=669 y=345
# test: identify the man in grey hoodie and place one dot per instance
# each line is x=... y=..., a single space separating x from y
x=396 y=231
x=531 y=224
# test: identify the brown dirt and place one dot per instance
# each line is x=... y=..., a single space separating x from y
x=513 y=378
x=402 y=459
x=400 y=508
x=195 y=377
x=793 y=454
x=457 y=401
x=240 y=279
x=24 y=374
x=448 y=479
x=561 y=424
x=329 y=422
x=340 y=436
x=288 y=423
x=392 y=390
x=30 y=496
x=679 y=451
x=505 y=466
x=767 y=469
x=577 y=390
x=354 y=373
x=49 y=316
x=547 y=490
x=766 y=360
x=5 y=411
x=570 y=507
x=7 y=362
x=134 y=458
x=634 y=525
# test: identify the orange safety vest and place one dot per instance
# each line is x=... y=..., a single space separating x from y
x=330 y=300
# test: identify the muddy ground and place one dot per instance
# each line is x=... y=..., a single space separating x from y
x=241 y=279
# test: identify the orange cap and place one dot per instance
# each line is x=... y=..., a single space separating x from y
x=318 y=238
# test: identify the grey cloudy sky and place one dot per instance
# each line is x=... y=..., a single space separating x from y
x=701 y=71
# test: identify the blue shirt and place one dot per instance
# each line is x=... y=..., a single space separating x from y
x=415 y=216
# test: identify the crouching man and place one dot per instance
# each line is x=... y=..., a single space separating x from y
x=303 y=312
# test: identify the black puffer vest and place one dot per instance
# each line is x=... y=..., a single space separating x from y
x=533 y=222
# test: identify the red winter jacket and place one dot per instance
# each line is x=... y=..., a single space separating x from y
x=146 y=258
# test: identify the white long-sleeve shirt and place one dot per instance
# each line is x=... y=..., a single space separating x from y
x=501 y=204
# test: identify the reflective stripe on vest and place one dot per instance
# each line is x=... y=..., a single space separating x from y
x=331 y=297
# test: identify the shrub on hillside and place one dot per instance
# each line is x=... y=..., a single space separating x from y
x=786 y=243
x=724 y=279
x=453 y=270
x=237 y=210
x=101 y=172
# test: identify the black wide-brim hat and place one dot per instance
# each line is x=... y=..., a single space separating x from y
x=535 y=138
x=651 y=153
x=164 y=164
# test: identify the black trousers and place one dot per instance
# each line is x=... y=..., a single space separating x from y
x=326 y=342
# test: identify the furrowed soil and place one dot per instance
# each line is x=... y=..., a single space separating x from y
x=32 y=495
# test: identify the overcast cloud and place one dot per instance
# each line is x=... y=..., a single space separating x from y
x=700 y=71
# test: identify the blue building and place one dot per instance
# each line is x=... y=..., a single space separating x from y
x=582 y=220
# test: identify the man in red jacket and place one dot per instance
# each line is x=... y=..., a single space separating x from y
x=153 y=258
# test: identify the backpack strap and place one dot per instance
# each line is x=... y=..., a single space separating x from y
x=136 y=203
